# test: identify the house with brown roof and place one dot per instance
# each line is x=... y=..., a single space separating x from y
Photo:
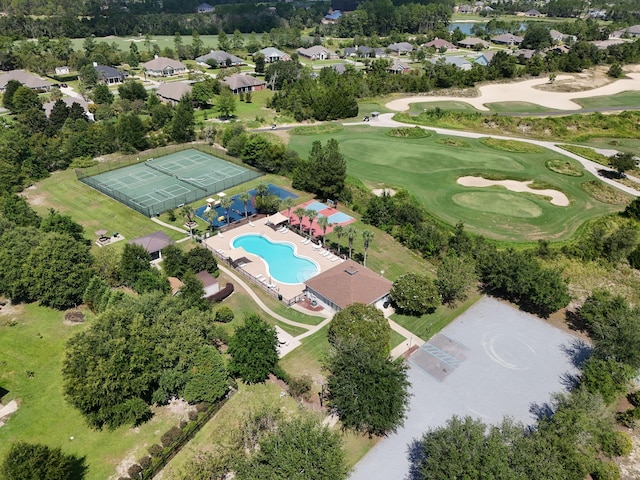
x=348 y=283
x=398 y=67
x=239 y=83
x=27 y=79
x=473 y=42
x=439 y=43
x=317 y=52
x=164 y=67
x=172 y=92
x=153 y=243
x=507 y=39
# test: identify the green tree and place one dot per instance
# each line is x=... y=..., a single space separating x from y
x=63 y=224
x=607 y=378
x=226 y=102
x=298 y=449
x=88 y=76
x=183 y=123
x=311 y=215
x=9 y=91
x=351 y=234
x=245 y=198
x=102 y=95
x=226 y=203
x=327 y=170
x=367 y=391
x=27 y=461
x=59 y=270
x=135 y=260
x=15 y=246
x=415 y=294
x=237 y=41
x=323 y=223
x=364 y=323
x=131 y=132
x=253 y=350
x=59 y=114
x=200 y=259
x=208 y=377
x=132 y=90
x=300 y=212
x=287 y=204
x=367 y=236
x=258 y=60
x=25 y=99
x=456 y=275
x=223 y=41
x=537 y=36
x=192 y=292
x=339 y=231
x=620 y=161
x=173 y=261
x=197 y=45
x=133 y=59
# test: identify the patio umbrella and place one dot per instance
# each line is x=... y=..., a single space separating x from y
x=101 y=232
x=222 y=194
x=210 y=200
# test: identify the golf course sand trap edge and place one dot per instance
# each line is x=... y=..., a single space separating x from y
x=557 y=198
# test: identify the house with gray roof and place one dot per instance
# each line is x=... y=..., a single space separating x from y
x=68 y=101
x=172 y=92
x=109 y=75
x=205 y=8
x=439 y=43
x=528 y=54
x=401 y=47
x=363 y=51
x=239 y=83
x=222 y=58
x=317 y=52
x=398 y=67
x=473 y=42
x=272 y=54
x=27 y=79
x=532 y=13
x=153 y=243
x=485 y=58
x=558 y=37
x=164 y=67
x=459 y=62
x=507 y=39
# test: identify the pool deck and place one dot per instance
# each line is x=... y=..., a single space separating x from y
x=257 y=267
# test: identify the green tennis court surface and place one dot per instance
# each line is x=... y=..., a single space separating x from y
x=167 y=182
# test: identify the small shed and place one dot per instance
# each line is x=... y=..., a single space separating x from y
x=209 y=283
x=153 y=243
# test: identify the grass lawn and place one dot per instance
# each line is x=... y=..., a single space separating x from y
x=35 y=343
x=430 y=169
x=630 y=145
x=92 y=209
x=427 y=326
x=623 y=99
x=517 y=107
x=453 y=105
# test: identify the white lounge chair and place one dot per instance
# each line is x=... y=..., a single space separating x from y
x=220 y=235
x=284 y=230
x=317 y=247
x=335 y=258
x=327 y=254
x=304 y=240
x=220 y=251
x=251 y=224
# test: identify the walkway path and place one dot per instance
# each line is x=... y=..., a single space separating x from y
x=386 y=120
x=172 y=227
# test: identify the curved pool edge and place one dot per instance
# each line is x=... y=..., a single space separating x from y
x=283 y=242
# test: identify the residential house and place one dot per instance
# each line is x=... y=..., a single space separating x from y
x=559 y=37
x=467 y=9
x=398 y=67
x=507 y=39
x=348 y=283
x=172 y=92
x=239 y=83
x=210 y=284
x=400 y=48
x=222 y=58
x=363 y=51
x=272 y=54
x=485 y=58
x=47 y=107
x=438 y=44
x=473 y=42
x=205 y=8
x=340 y=68
x=164 y=67
x=632 y=31
x=317 y=52
x=331 y=17
x=459 y=62
x=532 y=13
x=62 y=70
x=528 y=54
x=27 y=79
x=153 y=243
x=175 y=284
x=604 y=44
x=109 y=75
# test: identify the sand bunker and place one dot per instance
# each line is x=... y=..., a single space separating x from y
x=557 y=198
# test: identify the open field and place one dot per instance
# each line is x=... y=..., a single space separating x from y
x=429 y=170
x=32 y=351
x=163 y=41
x=624 y=99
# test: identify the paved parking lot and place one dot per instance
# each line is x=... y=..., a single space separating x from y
x=496 y=361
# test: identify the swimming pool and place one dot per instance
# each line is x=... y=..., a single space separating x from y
x=283 y=265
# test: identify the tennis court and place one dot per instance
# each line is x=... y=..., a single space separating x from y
x=170 y=181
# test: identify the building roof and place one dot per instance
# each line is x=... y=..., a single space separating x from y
x=400 y=47
x=154 y=242
x=471 y=41
x=339 y=68
x=507 y=38
x=105 y=71
x=398 y=66
x=533 y=13
x=47 y=107
x=219 y=56
x=457 y=61
x=206 y=278
x=335 y=15
x=237 y=80
x=488 y=56
x=176 y=284
x=174 y=90
x=528 y=53
x=271 y=52
x=349 y=282
x=315 y=50
x=27 y=79
x=438 y=43
x=160 y=63
x=634 y=29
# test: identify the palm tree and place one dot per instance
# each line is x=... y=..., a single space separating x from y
x=351 y=234
x=323 y=223
x=187 y=212
x=311 y=215
x=245 y=197
x=210 y=215
x=287 y=204
x=226 y=202
x=339 y=231
x=261 y=189
x=367 y=236
x=300 y=213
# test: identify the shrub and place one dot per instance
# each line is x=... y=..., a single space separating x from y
x=203 y=407
x=183 y=424
x=634 y=398
x=634 y=258
x=300 y=386
x=224 y=314
x=134 y=470
x=193 y=415
x=606 y=471
x=170 y=437
x=171 y=214
x=155 y=450
x=627 y=418
x=405 y=132
x=145 y=462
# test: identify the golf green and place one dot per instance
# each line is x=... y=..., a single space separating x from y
x=429 y=170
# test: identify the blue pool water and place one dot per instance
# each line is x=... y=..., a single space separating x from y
x=283 y=264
